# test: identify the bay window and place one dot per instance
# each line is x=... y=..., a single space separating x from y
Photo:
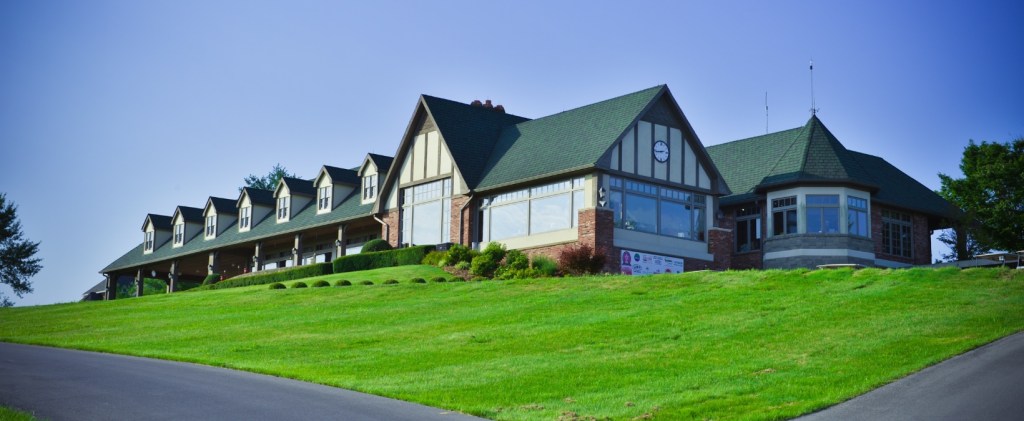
x=822 y=213
x=857 y=216
x=784 y=216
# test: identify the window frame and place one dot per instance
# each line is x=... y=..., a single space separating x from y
x=424 y=195
x=179 y=234
x=211 y=226
x=746 y=216
x=853 y=209
x=369 y=187
x=822 y=215
x=147 y=241
x=529 y=199
x=695 y=205
x=283 y=203
x=785 y=215
x=897 y=234
x=244 y=217
x=323 y=200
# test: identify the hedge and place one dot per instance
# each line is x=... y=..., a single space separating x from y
x=382 y=259
x=299 y=272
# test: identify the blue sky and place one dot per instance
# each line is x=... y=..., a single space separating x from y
x=110 y=110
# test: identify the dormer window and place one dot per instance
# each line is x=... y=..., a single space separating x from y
x=369 y=187
x=244 y=217
x=211 y=226
x=148 y=242
x=282 y=208
x=179 y=234
x=323 y=202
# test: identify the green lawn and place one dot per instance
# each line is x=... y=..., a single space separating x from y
x=704 y=345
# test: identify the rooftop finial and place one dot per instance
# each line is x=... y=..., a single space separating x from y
x=814 y=108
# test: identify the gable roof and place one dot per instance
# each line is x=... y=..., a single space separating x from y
x=256 y=196
x=563 y=142
x=469 y=132
x=340 y=175
x=382 y=162
x=297 y=186
x=160 y=222
x=812 y=155
x=189 y=213
x=222 y=205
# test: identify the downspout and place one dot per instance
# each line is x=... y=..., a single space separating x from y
x=387 y=228
x=462 y=218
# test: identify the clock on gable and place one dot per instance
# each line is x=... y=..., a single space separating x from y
x=661 y=151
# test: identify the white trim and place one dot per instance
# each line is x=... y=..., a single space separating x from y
x=819 y=252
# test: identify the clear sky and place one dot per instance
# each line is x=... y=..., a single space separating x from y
x=110 y=110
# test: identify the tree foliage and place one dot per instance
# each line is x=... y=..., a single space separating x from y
x=17 y=263
x=991 y=193
x=268 y=181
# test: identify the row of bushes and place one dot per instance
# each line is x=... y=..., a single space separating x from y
x=497 y=262
x=344 y=282
x=298 y=272
x=379 y=259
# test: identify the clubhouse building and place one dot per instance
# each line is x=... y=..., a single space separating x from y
x=627 y=176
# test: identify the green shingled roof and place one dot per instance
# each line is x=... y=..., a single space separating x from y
x=470 y=133
x=351 y=208
x=562 y=142
x=812 y=155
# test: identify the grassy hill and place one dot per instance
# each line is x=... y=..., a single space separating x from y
x=706 y=345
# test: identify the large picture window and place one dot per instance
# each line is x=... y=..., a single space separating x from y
x=823 y=213
x=857 y=216
x=897 y=234
x=748 y=229
x=784 y=216
x=426 y=213
x=546 y=208
x=657 y=210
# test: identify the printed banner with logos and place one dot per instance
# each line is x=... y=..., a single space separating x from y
x=637 y=263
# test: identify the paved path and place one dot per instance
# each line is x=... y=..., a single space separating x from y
x=61 y=384
x=984 y=384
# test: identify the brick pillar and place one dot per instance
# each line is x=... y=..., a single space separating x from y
x=597 y=230
x=391 y=229
x=211 y=266
x=461 y=231
x=257 y=257
x=720 y=246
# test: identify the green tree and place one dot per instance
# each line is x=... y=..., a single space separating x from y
x=17 y=263
x=991 y=194
x=966 y=251
x=269 y=181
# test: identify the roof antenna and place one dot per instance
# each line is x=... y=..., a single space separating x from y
x=814 y=109
x=765 y=112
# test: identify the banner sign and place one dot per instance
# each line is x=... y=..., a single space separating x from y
x=637 y=263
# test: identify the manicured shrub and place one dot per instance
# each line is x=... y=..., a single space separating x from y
x=211 y=279
x=580 y=260
x=517 y=266
x=366 y=261
x=299 y=284
x=463 y=266
x=458 y=253
x=434 y=258
x=277 y=285
x=417 y=281
x=545 y=266
x=299 y=272
x=390 y=282
x=321 y=283
x=366 y=283
x=438 y=279
x=343 y=283
x=483 y=265
x=376 y=245
x=496 y=250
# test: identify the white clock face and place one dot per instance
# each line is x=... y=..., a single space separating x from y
x=661 y=151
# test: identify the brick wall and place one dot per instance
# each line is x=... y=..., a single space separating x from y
x=466 y=218
x=745 y=260
x=390 y=232
x=720 y=245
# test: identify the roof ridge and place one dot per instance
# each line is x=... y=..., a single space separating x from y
x=753 y=138
x=593 y=104
x=452 y=101
x=785 y=153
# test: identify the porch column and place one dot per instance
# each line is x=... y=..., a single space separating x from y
x=257 y=259
x=212 y=267
x=139 y=283
x=172 y=277
x=297 y=250
x=111 y=292
x=339 y=249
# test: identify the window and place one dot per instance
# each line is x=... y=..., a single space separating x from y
x=748 y=229
x=282 y=208
x=179 y=234
x=426 y=213
x=148 y=241
x=857 y=216
x=897 y=234
x=324 y=198
x=244 y=216
x=211 y=225
x=369 y=187
x=546 y=208
x=657 y=210
x=784 y=216
x=823 y=213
